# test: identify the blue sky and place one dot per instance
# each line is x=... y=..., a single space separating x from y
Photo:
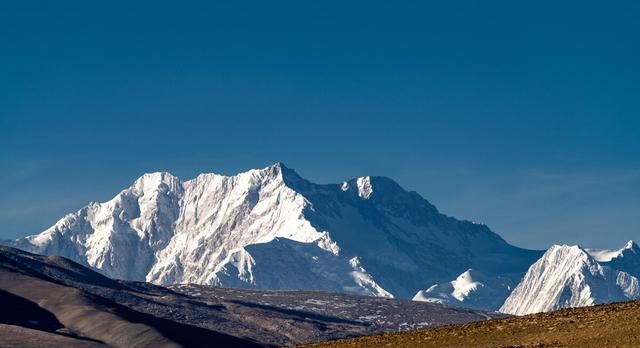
x=521 y=115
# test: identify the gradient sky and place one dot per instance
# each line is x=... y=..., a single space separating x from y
x=524 y=115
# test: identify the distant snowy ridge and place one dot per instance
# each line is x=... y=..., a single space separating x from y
x=271 y=229
x=569 y=276
x=470 y=289
x=625 y=259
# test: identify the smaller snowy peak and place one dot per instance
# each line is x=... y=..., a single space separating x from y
x=626 y=259
x=470 y=289
x=630 y=250
x=568 y=276
x=606 y=255
x=465 y=284
x=632 y=247
x=365 y=188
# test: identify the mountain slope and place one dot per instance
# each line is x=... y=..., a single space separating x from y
x=568 y=276
x=366 y=235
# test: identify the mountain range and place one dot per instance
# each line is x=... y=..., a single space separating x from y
x=271 y=229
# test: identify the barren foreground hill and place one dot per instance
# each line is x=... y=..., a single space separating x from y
x=611 y=325
x=50 y=301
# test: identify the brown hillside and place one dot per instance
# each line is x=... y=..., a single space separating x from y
x=612 y=325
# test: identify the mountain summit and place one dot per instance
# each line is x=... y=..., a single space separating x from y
x=271 y=229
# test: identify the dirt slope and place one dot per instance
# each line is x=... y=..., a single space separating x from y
x=612 y=325
x=34 y=301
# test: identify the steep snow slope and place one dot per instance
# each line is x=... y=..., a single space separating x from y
x=471 y=289
x=567 y=276
x=271 y=229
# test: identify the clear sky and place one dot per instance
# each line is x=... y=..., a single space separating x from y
x=524 y=115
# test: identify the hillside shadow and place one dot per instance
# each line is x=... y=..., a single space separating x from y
x=19 y=311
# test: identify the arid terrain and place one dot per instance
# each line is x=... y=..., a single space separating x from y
x=611 y=325
x=54 y=302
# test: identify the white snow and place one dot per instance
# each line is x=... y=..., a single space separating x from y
x=364 y=187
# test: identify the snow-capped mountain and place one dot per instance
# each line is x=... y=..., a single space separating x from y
x=470 y=289
x=272 y=229
x=568 y=276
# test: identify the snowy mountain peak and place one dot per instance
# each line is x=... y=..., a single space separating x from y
x=632 y=246
x=568 y=276
x=607 y=255
x=271 y=229
x=630 y=250
x=567 y=252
